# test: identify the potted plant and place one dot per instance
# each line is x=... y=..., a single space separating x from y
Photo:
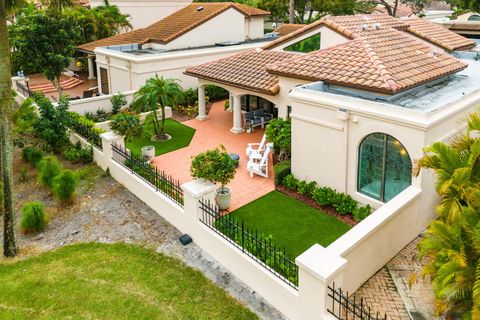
x=249 y=128
x=215 y=166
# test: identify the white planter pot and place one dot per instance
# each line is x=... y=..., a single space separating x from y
x=148 y=152
x=223 y=198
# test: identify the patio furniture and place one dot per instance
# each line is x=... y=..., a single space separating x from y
x=235 y=157
x=249 y=120
x=88 y=94
x=256 y=148
x=263 y=116
x=260 y=166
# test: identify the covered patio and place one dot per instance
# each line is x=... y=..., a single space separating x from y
x=210 y=134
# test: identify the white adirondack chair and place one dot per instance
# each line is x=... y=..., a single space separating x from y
x=256 y=148
x=259 y=166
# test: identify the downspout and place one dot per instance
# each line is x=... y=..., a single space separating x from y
x=344 y=115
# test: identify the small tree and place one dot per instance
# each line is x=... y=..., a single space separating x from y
x=157 y=93
x=65 y=186
x=215 y=166
x=118 y=101
x=52 y=126
x=48 y=168
x=34 y=218
x=279 y=131
x=126 y=124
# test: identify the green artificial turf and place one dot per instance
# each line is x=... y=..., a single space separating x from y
x=291 y=223
x=181 y=137
x=116 y=281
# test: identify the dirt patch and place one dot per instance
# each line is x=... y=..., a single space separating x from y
x=328 y=210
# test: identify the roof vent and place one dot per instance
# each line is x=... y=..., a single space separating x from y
x=364 y=27
x=377 y=26
x=200 y=8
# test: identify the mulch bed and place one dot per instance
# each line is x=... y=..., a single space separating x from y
x=180 y=117
x=308 y=201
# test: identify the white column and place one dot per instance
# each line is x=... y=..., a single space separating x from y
x=230 y=103
x=237 y=115
x=202 y=109
x=109 y=138
x=91 y=73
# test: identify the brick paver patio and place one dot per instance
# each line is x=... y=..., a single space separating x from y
x=388 y=291
x=209 y=134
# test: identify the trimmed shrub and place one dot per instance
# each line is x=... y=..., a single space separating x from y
x=324 y=196
x=65 y=185
x=48 y=169
x=281 y=170
x=306 y=188
x=32 y=155
x=126 y=123
x=34 y=218
x=344 y=203
x=290 y=182
x=78 y=154
x=361 y=213
x=215 y=93
x=190 y=97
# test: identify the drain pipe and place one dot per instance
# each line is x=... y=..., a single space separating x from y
x=343 y=114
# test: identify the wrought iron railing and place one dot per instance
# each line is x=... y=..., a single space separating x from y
x=86 y=132
x=162 y=182
x=345 y=308
x=258 y=247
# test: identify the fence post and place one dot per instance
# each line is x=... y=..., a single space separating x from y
x=193 y=191
x=109 y=138
x=317 y=269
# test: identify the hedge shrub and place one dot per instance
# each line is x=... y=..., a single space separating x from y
x=32 y=155
x=34 y=218
x=65 y=185
x=281 y=170
x=215 y=93
x=78 y=154
x=48 y=169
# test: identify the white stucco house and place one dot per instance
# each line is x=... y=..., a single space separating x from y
x=198 y=33
x=467 y=24
x=365 y=95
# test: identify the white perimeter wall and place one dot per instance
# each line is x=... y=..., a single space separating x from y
x=145 y=12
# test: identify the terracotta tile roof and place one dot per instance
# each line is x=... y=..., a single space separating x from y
x=465 y=26
x=438 y=35
x=245 y=70
x=287 y=28
x=175 y=25
x=81 y=3
x=384 y=60
x=345 y=25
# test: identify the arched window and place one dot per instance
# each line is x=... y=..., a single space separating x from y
x=384 y=167
x=474 y=17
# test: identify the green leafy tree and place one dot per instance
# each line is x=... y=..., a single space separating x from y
x=451 y=244
x=25 y=117
x=45 y=42
x=157 y=93
x=279 y=131
x=118 y=101
x=126 y=124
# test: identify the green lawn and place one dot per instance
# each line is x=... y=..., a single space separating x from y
x=291 y=223
x=181 y=137
x=118 y=281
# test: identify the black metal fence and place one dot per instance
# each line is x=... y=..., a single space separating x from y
x=260 y=248
x=157 y=179
x=345 y=308
x=86 y=131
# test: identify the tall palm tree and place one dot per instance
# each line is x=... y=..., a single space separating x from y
x=157 y=93
x=10 y=247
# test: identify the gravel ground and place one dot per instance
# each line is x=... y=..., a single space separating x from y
x=108 y=213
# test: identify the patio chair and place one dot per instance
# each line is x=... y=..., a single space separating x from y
x=249 y=120
x=263 y=116
x=260 y=166
x=256 y=148
x=88 y=94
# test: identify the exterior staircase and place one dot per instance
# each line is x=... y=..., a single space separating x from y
x=65 y=84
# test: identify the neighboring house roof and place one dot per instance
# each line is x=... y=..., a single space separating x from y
x=246 y=70
x=348 y=26
x=82 y=3
x=287 y=28
x=382 y=60
x=175 y=25
x=403 y=10
x=465 y=27
x=438 y=35
x=345 y=25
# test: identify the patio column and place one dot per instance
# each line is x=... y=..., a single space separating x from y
x=202 y=109
x=91 y=73
x=237 y=115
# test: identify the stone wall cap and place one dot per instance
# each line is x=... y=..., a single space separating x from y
x=198 y=187
x=321 y=262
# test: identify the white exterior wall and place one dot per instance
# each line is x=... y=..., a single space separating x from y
x=145 y=12
x=92 y=104
x=255 y=28
x=169 y=65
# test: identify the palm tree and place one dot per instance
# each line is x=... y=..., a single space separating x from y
x=10 y=248
x=157 y=92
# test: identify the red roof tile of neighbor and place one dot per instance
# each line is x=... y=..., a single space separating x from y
x=383 y=60
x=438 y=35
x=345 y=25
x=465 y=26
x=246 y=70
x=175 y=25
x=287 y=28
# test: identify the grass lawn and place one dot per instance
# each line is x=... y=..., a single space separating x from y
x=181 y=137
x=118 y=281
x=290 y=222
